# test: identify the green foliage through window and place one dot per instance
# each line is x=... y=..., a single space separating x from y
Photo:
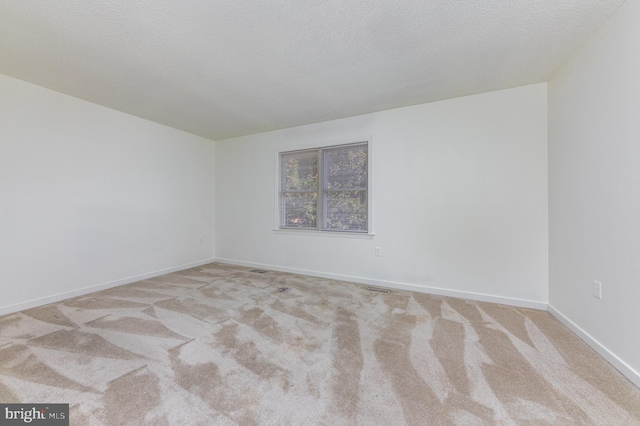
x=325 y=188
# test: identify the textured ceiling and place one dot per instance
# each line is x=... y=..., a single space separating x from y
x=223 y=68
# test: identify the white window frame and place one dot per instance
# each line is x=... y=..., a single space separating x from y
x=278 y=228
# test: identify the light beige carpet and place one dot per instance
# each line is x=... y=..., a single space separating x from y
x=222 y=345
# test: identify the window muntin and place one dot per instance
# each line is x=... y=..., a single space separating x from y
x=325 y=188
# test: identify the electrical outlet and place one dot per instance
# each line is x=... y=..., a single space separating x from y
x=597 y=289
x=378 y=251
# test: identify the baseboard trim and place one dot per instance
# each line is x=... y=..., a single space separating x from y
x=612 y=358
x=397 y=285
x=86 y=290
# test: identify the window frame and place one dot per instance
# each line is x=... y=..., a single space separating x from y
x=321 y=210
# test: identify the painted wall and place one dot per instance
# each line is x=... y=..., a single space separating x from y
x=460 y=199
x=594 y=195
x=91 y=196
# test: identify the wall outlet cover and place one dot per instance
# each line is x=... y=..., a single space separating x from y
x=597 y=289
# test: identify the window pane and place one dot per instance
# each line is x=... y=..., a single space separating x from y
x=300 y=171
x=347 y=210
x=346 y=167
x=300 y=209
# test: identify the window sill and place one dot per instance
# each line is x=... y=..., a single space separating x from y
x=312 y=233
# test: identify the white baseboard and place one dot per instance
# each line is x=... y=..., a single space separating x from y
x=86 y=290
x=612 y=358
x=398 y=286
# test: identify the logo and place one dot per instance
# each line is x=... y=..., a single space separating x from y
x=36 y=414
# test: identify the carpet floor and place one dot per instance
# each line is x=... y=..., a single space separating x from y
x=221 y=345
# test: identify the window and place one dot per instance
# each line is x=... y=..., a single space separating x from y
x=325 y=189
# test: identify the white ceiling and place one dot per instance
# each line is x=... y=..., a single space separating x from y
x=223 y=68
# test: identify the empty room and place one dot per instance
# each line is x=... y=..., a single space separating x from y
x=320 y=213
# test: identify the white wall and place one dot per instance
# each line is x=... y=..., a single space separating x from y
x=91 y=196
x=460 y=199
x=594 y=199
